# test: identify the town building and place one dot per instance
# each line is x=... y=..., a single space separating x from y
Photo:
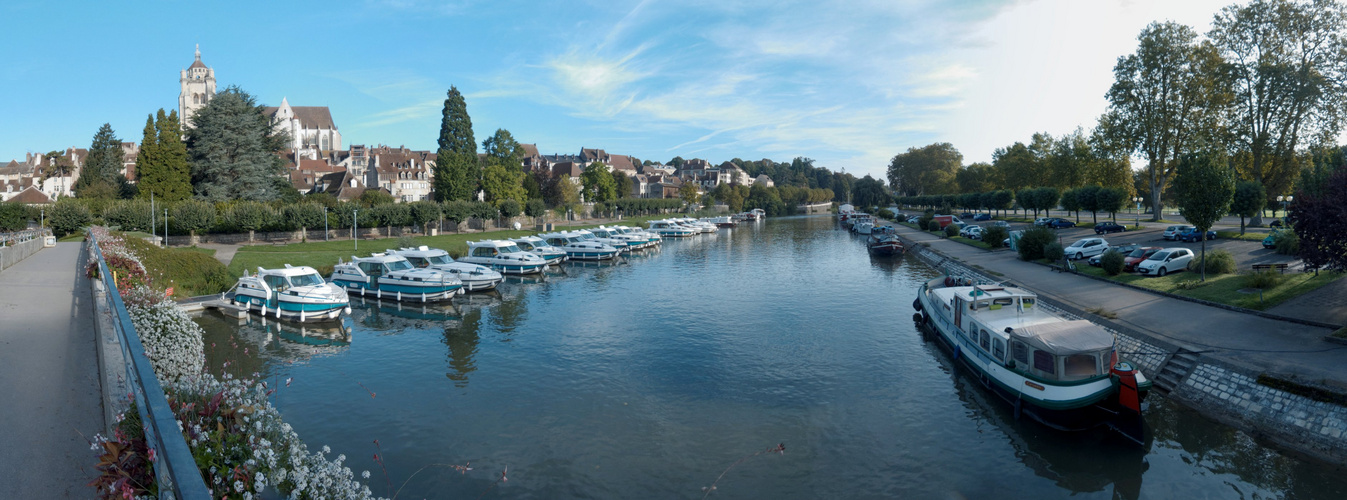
x=198 y=88
x=310 y=128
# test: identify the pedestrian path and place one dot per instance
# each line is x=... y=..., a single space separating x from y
x=1254 y=342
x=50 y=397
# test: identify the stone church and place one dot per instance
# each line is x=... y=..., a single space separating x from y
x=198 y=87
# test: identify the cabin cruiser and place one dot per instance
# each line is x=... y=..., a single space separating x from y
x=670 y=229
x=536 y=246
x=632 y=242
x=298 y=293
x=578 y=247
x=504 y=256
x=475 y=277
x=650 y=237
x=391 y=276
x=864 y=227
x=620 y=245
x=720 y=222
x=701 y=226
x=757 y=214
x=1064 y=373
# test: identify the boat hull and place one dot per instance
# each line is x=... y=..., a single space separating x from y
x=302 y=311
x=404 y=291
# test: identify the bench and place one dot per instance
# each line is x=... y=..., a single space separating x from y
x=1263 y=267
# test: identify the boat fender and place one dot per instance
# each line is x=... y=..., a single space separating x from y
x=957 y=350
x=916 y=304
x=916 y=317
x=1128 y=395
x=949 y=281
x=1017 y=408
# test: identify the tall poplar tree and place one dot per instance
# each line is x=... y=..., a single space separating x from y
x=456 y=169
x=148 y=169
x=172 y=157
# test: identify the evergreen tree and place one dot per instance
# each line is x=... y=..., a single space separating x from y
x=232 y=149
x=501 y=149
x=103 y=165
x=148 y=170
x=456 y=168
x=172 y=158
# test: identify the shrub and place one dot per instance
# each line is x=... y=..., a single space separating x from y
x=509 y=208
x=1112 y=262
x=1033 y=240
x=994 y=235
x=1218 y=262
x=484 y=211
x=885 y=213
x=172 y=341
x=194 y=216
x=932 y=225
x=537 y=208
x=424 y=212
x=68 y=216
x=1263 y=280
x=951 y=230
x=1288 y=242
x=131 y=215
x=251 y=215
x=302 y=215
x=1053 y=251
x=13 y=217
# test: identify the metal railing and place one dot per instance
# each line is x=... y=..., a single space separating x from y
x=175 y=469
x=7 y=239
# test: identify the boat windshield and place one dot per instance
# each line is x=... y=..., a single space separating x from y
x=306 y=280
x=439 y=259
x=509 y=249
x=525 y=245
x=399 y=265
x=601 y=233
x=586 y=237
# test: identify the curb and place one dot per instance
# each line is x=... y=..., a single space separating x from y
x=1227 y=307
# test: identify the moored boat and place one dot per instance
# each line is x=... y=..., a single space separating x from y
x=578 y=247
x=536 y=246
x=297 y=293
x=1061 y=372
x=882 y=243
x=392 y=276
x=504 y=256
x=475 y=277
x=670 y=229
x=609 y=235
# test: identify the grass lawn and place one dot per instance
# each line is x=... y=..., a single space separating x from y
x=1222 y=288
x=1247 y=236
x=971 y=242
x=189 y=271
x=72 y=237
x=322 y=255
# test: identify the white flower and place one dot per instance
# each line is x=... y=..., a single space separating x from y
x=364 y=474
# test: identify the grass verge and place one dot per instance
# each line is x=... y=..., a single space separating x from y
x=189 y=271
x=1224 y=288
x=971 y=242
x=1247 y=236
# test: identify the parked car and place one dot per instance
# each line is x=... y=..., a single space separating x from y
x=966 y=215
x=1193 y=235
x=913 y=219
x=1000 y=223
x=972 y=232
x=1137 y=256
x=982 y=217
x=1043 y=221
x=1097 y=260
x=1172 y=232
x=1271 y=240
x=1086 y=247
x=1108 y=227
x=1166 y=261
x=1061 y=224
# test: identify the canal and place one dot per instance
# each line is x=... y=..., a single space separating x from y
x=648 y=378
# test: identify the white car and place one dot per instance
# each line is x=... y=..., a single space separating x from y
x=1166 y=261
x=972 y=232
x=1086 y=247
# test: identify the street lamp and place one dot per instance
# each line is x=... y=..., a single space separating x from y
x=355 y=228
x=324 y=223
x=1137 y=199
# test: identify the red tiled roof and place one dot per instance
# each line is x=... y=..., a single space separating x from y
x=31 y=196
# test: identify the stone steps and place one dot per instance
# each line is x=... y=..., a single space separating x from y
x=1175 y=370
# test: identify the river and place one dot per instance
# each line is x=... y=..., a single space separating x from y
x=648 y=378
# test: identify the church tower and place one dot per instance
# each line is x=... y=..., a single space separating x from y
x=198 y=87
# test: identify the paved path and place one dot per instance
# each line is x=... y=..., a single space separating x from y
x=50 y=398
x=1257 y=343
x=224 y=252
x=1327 y=304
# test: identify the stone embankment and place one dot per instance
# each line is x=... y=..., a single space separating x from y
x=1224 y=392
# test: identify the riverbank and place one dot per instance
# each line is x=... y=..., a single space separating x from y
x=1210 y=359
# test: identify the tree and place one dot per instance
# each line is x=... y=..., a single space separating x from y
x=233 y=148
x=1162 y=95
x=13 y=216
x=148 y=172
x=535 y=208
x=162 y=169
x=623 y=184
x=677 y=162
x=1249 y=199
x=1205 y=186
x=102 y=166
x=560 y=191
x=302 y=215
x=423 y=213
x=69 y=216
x=499 y=183
x=501 y=149
x=598 y=184
x=976 y=178
x=373 y=197
x=532 y=187
x=456 y=168
x=194 y=216
x=1287 y=63
x=929 y=169
x=509 y=208
x=1319 y=219
x=688 y=192
x=1071 y=202
x=1019 y=166
x=1111 y=200
x=1087 y=198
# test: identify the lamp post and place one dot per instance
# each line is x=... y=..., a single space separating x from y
x=324 y=223
x=355 y=228
x=1137 y=199
x=165 y=228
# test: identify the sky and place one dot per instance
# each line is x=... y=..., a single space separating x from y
x=849 y=84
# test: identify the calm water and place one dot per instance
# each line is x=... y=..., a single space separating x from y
x=648 y=378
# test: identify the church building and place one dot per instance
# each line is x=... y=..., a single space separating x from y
x=198 y=87
x=310 y=128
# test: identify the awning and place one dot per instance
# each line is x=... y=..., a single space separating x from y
x=1065 y=338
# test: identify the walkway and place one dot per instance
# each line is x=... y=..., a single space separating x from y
x=1327 y=304
x=1254 y=342
x=49 y=384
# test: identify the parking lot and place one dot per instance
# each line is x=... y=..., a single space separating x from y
x=1246 y=253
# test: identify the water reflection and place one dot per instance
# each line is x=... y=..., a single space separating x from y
x=248 y=345
x=462 y=339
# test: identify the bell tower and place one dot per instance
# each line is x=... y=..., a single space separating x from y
x=198 y=88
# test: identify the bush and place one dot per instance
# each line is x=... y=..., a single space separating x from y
x=1053 y=251
x=194 y=216
x=13 y=217
x=932 y=225
x=885 y=213
x=1218 y=262
x=1112 y=262
x=1263 y=280
x=302 y=215
x=509 y=208
x=1288 y=242
x=251 y=215
x=1033 y=240
x=172 y=341
x=536 y=208
x=69 y=216
x=951 y=230
x=130 y=215
x=994 y=235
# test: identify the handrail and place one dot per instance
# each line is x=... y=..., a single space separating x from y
x=175 y=469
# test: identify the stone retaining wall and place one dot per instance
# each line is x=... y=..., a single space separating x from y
x=1227 y=394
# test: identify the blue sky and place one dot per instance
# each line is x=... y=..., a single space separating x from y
x=849 y=84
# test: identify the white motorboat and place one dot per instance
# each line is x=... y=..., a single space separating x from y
x=1064 y=373
x=388 y=276
x=578 y=247
x=670 y=229
x=863 y=227
x=632 y=242
x=650 y=237
x=619 y=244
x=720 y=222
x=298 y=293
x=475 y=277
x=504 y=256
x=702 y=227
x=536 y=246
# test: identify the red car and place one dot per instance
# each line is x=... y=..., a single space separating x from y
x=1138 y=255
